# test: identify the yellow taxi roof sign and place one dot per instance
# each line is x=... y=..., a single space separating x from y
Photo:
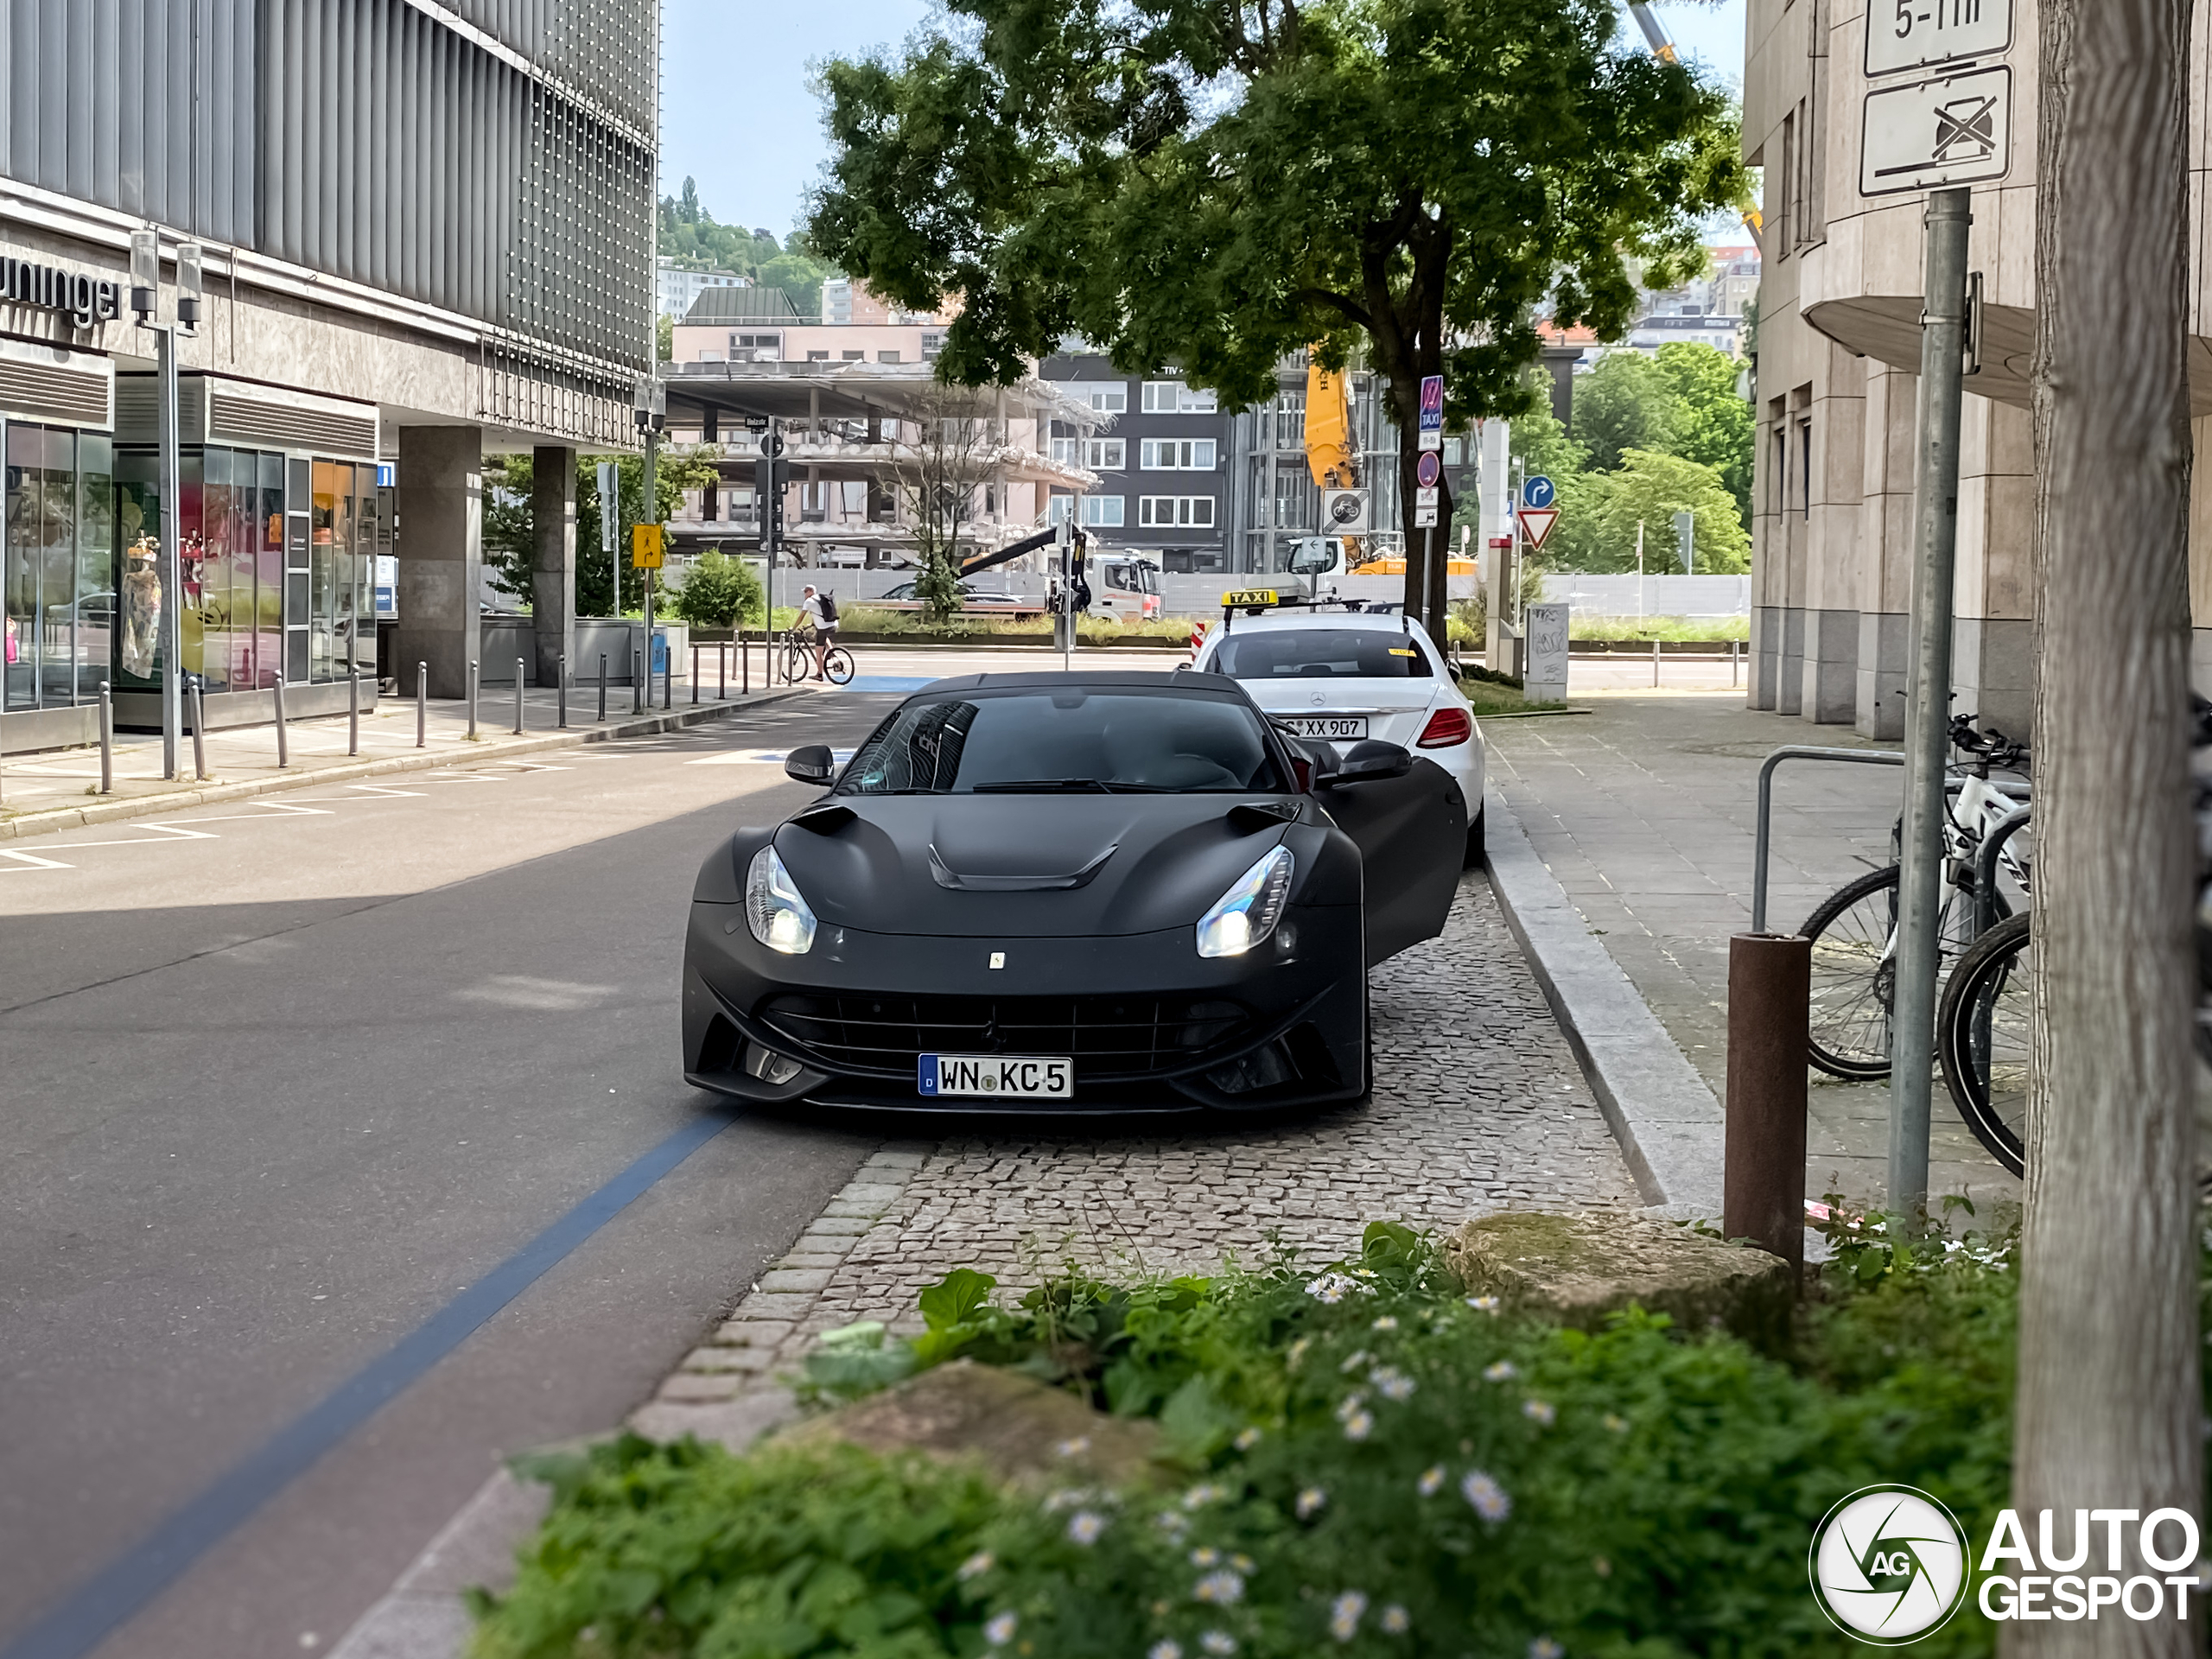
x=1242 y=598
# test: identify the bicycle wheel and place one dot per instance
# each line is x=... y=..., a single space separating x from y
x=1982 y=1030
x=1851 y=978
x=799 y=663
x=838 y=664
x=1853 y=970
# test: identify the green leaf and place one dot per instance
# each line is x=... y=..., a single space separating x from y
x=954 y=1299
x=1196 y=1422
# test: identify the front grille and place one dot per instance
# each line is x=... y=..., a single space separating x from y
x=1108 y=1038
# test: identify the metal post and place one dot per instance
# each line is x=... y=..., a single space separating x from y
x=199 y=738
x=422 y=704
x=283 y=734
x=172 y=618
x=602 y=685
x=1735 y=661
x=1920 y=890
x=519 y=666
x=744 y=664
x=352 y=711
x=472 y=697
x=1655 y=662
x=107 y=739
x=564 y=692
x=694 y=676
x=722 y=673
x=667 y=680
x=637 y=681
x=1762 y=1155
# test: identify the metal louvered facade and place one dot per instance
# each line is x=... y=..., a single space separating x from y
x=494 y=159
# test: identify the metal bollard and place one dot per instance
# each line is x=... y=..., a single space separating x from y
x=352 y=711
x=472 y=697
x=422 y=704
x=518 y=675
x=667 y=682
x=637 y=681
x=1655 y=662
x=564 y=691
x=284 y=737
x=744 y=665
x=1735 y=658
x=602 y=685
x=199 y=741
x=1763 y=1160
x=694 y=676
x=107 y=739
x=722 y=672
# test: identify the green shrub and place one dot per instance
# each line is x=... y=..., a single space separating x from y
x=1365 y=1461
x=717 y=590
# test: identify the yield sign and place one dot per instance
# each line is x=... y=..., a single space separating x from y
x=1536 y=524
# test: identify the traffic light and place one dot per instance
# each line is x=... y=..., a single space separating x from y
x=772 y=476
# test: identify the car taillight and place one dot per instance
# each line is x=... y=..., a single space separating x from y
x=1446 y=727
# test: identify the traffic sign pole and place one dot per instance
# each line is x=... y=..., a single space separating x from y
x=1912 y=1025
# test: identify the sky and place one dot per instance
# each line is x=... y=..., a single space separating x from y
x=738 y=115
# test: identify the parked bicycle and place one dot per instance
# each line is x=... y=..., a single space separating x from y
x=1854 y=930
x=799 y=659
x=1985 y=1022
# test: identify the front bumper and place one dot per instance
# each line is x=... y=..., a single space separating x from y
x=1151 y=1024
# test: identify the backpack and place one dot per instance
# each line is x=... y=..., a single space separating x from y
x=829 y=608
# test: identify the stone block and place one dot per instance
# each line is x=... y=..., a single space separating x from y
x=779 y=1281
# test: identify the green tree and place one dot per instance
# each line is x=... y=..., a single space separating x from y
x=1626 y=402
x=1542 y=445
x=665 y=339
x=1599 y=512
x=1714 y=424
x=1221 y=184
x=717 y=590
x=510 y=525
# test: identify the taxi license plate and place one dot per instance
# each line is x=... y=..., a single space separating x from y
x=1023 y=1076
x=1335 y=729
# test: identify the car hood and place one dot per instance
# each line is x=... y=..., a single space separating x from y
x=1020 y=866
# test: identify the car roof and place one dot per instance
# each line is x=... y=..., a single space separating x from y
x=1123 y=680
x=1302 y=617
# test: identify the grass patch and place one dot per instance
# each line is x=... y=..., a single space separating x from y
x=1593 y=626
x=1363 y=1462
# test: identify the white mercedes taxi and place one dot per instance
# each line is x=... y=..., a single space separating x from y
x=1338 y=674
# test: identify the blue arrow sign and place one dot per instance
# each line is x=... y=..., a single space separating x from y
x=1538 y=491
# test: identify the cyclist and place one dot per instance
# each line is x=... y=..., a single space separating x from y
x=821 y=609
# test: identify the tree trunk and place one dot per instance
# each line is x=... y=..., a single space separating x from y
x=2108 y=1409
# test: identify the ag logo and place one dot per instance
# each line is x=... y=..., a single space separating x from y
x=1888 y=1564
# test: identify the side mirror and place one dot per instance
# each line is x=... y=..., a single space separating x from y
x=1368 y=761
x=814 y=764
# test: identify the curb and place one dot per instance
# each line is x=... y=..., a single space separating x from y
x=139 y=806
x=1670 y=1127
x=727 y=1390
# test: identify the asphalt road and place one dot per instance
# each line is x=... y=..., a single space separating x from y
x=279 y=1088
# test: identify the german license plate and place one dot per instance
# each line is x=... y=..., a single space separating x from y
x=1335 y=729
x=1020 y=1077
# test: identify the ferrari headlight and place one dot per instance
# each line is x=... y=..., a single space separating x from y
x=775 y=909
x=1248 y=912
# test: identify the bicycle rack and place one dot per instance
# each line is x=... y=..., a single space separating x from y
x=1763 y=843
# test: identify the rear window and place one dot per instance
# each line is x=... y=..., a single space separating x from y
x=1320 y=654
x=1055 y=740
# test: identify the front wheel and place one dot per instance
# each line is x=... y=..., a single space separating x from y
x=1983 y=1033
x=838 y=664
x=1852 y=975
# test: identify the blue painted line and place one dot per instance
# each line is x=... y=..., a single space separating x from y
x=126 y=1585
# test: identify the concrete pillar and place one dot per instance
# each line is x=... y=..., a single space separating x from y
x=440 y=552
x=553 y=562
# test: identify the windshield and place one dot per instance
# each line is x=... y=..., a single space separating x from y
x=1321 y=654
x=1051 y=740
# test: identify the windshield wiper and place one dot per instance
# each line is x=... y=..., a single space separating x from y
x=1040 y=786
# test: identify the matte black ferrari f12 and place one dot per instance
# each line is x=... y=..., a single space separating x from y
x=1059 y=893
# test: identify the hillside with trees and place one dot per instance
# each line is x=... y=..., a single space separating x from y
x=696 y=240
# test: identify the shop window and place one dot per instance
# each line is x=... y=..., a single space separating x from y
x=41 y=609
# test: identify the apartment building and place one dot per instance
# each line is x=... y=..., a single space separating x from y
x=1161 y=452
x=677 y=288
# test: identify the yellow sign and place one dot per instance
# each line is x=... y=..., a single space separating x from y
x=646 y=551
x=1239 y=597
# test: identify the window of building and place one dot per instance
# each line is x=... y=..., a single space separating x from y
x=887 y=356
x=813 y=503
x=1777 y=464
x=1163 y=512
x=933 y=347
x=1174 y=397
x=1109 y=400
x=1290 y=420
x=1805 y=466
x=756 y=348
x=854 y=356
x=818 y=357
x=1067 y=451
x=1783 y=178
x=1105 y=454
x=1178 y=455
x=1105 y=511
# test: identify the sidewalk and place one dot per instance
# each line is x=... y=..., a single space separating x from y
x=1644 y=810
x=59 y=788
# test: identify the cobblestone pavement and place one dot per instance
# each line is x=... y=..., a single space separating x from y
x=1478 y=1106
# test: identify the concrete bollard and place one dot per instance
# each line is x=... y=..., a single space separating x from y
x=518 y=678
x=1763 y=1178
x=107 y=739
x=422 y=704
